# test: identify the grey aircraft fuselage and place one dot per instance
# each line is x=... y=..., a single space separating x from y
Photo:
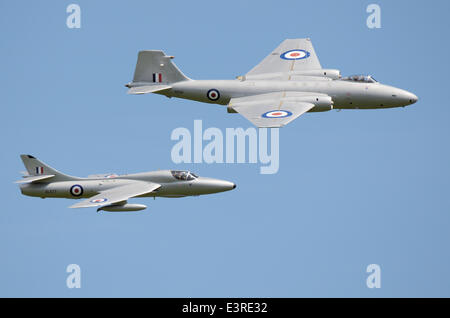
x=111 y=192
x=284 y=85
x=170 y=187
x=344 y=94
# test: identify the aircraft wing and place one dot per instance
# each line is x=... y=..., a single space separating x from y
x=272 y=109
x=118 y=194
x=137 y=90
x=290 y=55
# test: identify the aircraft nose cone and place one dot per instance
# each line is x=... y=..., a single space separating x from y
x=209 y=185
x=404 y=98
x=408 y=98
x=412 y=98
x=225 y=185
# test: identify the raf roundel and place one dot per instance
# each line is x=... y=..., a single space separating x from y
x=213 y=94
x=76 y=190
x=99 y=200
x=277 y=114
x=295 y=55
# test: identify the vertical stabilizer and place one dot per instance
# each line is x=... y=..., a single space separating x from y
x=154 y=67
x=35 y=167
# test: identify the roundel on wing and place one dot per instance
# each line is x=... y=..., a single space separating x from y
x=295 y=55
x=213 y=94
x=99 y=200
x=76 y=190
x=277 y=114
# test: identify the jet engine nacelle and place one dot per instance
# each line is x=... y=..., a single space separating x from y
x=127 y=207
x=321 y=103
x=330 y=73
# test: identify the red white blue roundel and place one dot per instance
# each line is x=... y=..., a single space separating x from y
x=99 y=200
x=213 y=94
x=295 y=55
x=277 y=114
x=76 y=190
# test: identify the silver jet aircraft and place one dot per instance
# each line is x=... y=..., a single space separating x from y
x=110 y=192
x=286 y=84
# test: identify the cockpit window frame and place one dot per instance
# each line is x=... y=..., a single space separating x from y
x=183 y=175
x=367 y=79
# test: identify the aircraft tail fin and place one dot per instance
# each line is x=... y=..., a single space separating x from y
x=156 y=68
x=36 y=168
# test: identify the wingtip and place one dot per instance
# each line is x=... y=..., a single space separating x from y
x=77 y=206
x=27 y=156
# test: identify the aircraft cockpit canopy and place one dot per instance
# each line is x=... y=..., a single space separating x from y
x=183 y=175
x=360 y=78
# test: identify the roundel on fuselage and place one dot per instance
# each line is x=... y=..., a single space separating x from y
x=213 y=94
x=76 y=190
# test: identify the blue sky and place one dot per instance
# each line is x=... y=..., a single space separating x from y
x=354 y=187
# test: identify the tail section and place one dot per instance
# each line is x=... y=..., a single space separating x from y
x=37 y=168
x=157 y=70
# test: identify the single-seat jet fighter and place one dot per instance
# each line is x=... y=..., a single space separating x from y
x=286 y=84
x=110 y=192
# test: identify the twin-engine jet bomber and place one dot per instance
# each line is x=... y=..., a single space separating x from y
x=110 y=192
x=286 y=84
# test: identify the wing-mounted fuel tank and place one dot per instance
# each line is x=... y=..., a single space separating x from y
x=126 y=207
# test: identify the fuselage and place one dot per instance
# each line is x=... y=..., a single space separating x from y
x=88 y=187
x=344 y=94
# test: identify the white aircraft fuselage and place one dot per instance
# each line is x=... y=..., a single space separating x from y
x=286 y=84
x=344 y=94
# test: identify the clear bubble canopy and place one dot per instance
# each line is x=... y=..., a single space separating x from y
x=183 y=175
